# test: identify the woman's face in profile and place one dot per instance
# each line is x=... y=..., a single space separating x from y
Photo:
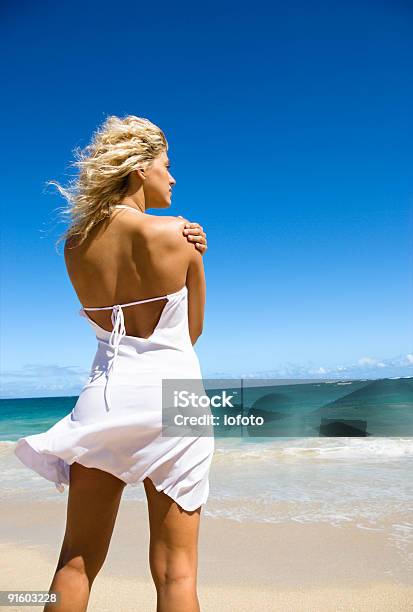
x=158 y=183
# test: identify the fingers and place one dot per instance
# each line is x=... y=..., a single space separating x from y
x=200 y=242
x=189 y=225
x=197 y=238
x=202 y=248
x=195 y=233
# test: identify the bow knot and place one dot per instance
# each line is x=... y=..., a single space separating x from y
x=118 y=332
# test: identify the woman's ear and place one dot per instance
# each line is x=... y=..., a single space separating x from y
x=140 y=173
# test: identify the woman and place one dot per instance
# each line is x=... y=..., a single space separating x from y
x=142 y=287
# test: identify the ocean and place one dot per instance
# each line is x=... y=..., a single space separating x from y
x=295 y=473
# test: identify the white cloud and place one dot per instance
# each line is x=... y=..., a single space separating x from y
x=36 y=380
x=366 y=361
x=365 y=367
x=319 y=370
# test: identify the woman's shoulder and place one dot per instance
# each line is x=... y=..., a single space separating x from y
x=169 y=231
x=168 y=221
x=161 y=229
x=165 y=224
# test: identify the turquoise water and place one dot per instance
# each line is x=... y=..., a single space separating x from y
x=382 y=407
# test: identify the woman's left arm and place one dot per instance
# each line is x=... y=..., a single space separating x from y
x=195 y=233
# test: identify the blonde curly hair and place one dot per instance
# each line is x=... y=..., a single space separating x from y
x=119 y=146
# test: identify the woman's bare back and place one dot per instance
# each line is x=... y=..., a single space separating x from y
x=130 y=257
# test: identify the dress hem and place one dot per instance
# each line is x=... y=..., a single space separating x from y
x=65 y=465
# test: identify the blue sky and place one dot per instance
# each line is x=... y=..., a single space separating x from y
x=290 y=131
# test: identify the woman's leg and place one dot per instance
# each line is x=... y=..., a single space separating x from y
x=93 y=504
x=173 y=551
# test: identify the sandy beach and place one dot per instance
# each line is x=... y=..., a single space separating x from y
x=242 y=565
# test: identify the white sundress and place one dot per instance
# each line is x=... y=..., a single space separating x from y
x=116 y=422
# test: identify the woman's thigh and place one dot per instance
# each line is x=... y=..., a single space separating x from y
x=93 y=503
x=174 y=536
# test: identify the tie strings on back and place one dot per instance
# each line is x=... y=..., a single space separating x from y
x=118 y=332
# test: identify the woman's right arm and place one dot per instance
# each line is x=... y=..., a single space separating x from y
x=195 y=282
